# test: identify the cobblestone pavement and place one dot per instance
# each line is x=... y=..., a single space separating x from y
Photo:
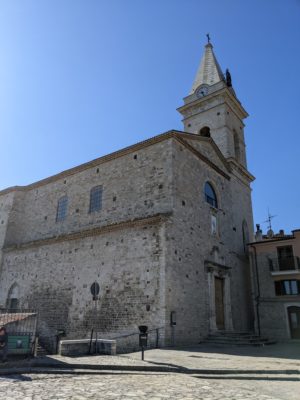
x=124 y=386
x=212 y=374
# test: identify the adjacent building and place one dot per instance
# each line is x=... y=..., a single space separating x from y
x=161 y=226
x=276 y=282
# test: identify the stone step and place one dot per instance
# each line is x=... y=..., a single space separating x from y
x=224 y=338
x=246 y=343
x=41 y=351
x=237 y=338
x=234 y=334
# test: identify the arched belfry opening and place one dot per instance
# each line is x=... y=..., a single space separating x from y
x=205 y=131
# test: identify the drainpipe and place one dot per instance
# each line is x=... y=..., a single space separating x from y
x=257 y=298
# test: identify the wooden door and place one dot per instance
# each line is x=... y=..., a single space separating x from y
x=219 y=302
x=294 y=321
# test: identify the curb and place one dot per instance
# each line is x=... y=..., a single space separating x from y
x=53 y=368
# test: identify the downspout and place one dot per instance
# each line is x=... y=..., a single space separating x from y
x=257 y=298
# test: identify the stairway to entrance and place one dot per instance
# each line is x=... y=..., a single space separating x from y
x=226 y=338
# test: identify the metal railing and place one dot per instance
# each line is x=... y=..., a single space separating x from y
x=284 y=264
x=19 y=321
x=129 y=342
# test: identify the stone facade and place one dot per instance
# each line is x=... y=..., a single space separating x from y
x=155 y=247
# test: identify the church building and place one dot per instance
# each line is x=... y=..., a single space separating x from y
x=160 y=227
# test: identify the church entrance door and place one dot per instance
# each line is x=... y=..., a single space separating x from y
x=294 y=321
x=219 y=302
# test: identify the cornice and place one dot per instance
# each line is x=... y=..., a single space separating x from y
x=101 y=160
x=267 y=241
x=194 y=136
x=203 y=158
x=242 y=171
x=153 y=219
x=93 y=163
x=224 y=92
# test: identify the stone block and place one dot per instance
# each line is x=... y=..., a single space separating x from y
x=81 y=347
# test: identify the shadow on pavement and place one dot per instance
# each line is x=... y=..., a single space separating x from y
x=249 y=378
x=15 y=377
x=224 y=372
x=290 y=350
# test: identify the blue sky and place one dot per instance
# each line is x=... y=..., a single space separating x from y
x=82 y=78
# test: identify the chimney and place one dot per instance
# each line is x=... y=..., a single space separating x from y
x=258 y=233
x=270 y=233
x=281 y=232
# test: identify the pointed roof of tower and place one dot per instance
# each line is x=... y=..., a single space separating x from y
x=209 y=71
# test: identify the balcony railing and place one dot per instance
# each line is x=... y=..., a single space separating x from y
x=284 y=264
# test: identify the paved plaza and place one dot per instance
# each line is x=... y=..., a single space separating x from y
x=200 y=372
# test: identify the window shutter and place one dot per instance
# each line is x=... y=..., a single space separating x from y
x=278 y=288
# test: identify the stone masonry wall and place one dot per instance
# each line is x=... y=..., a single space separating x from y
x=241 y=211
x=223 y=122
x=55 y=279
x=146 y=270
x=6 y=203
x=190 y=243
x=134 y=186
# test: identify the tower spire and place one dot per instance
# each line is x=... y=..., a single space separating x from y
x=212 y=94
x=209 y=71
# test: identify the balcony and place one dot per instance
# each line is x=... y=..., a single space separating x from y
x=291 y=264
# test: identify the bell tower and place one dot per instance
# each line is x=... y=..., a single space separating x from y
x=212 y=109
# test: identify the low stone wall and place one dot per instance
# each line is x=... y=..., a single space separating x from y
x=81 y=347
x=130 y=343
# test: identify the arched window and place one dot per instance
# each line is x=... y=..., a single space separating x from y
x=205 y=131
x=13 y=297
x=210 y=195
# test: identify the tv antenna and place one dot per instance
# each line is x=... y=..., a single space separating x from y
x=269 y=220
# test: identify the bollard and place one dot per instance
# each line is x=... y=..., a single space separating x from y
x=143 y=338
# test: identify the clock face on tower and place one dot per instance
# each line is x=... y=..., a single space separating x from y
x=201 y=91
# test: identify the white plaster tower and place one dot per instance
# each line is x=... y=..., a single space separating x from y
x=212 y=109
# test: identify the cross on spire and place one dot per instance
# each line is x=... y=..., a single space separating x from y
x=209 y=71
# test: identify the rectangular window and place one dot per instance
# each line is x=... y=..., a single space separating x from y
x=293 y=287
x=95 y=199
x=62 y=207
x=285 y=258
x=287 y=287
